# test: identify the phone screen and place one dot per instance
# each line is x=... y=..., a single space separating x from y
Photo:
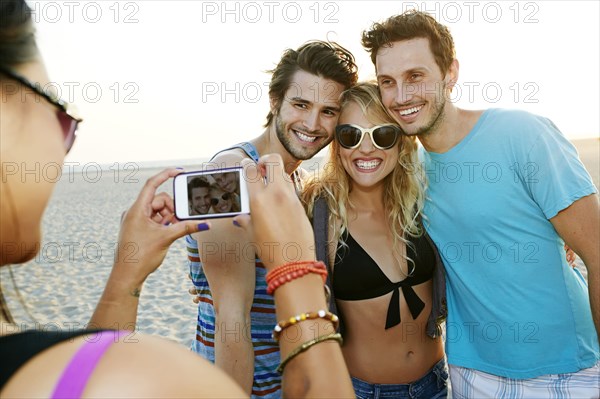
x=209 y=194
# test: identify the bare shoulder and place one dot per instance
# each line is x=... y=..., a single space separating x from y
x=229 y=158
x=155 y=367
x=135 y=366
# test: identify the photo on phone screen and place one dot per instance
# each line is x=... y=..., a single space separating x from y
x=210 y=194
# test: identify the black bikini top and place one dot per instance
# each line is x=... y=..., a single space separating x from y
x=357 y=276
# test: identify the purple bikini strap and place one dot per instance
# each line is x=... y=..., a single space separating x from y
x=77 y=373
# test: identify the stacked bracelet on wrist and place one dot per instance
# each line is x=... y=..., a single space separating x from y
x=336 y=337
x=319 y=314
x=293 y=270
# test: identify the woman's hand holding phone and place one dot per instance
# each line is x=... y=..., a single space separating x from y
x=149 y=227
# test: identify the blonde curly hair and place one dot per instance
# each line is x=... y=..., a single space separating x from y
x=404 y=187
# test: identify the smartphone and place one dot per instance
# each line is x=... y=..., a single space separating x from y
x=215 y=193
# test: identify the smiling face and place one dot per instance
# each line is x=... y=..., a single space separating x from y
x=222 y=201
x=200 y=200
x=306 y=117
x=412 y=86
x=366 y=165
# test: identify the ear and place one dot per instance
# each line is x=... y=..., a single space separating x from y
x=452 y=75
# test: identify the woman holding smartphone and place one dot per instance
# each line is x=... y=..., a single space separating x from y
x=35 y=128
x=387 y=279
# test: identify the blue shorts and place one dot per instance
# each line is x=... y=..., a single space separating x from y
x=433 y=385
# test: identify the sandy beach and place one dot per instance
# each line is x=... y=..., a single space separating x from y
x=61 y=286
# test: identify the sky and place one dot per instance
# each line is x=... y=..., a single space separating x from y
x=167 y=80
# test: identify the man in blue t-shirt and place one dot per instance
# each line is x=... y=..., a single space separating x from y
x=505 y=188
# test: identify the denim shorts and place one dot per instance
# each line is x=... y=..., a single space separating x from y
x=433 y=385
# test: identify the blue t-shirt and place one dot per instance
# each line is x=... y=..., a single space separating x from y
x=515 y=307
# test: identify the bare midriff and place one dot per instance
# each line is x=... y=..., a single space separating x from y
x=399 y=355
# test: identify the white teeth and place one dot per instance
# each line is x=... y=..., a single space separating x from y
x=368 y=164
x=410 y=111
x=304 y=137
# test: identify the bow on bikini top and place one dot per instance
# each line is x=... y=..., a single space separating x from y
x=358 y=277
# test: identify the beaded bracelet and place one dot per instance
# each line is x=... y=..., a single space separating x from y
x=288 y=268
x=293 y=270
x=319 y=314
x=336 y=337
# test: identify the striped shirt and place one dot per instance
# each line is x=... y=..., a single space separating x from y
x=267 y=381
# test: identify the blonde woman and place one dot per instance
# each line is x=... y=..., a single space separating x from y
x=385 y=267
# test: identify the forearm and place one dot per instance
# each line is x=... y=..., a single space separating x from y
x=320 y=371
x=118 y=305
x=234 y=352
x=232 y=301
x=593 y=269
x=578 y=225
x=232 y=281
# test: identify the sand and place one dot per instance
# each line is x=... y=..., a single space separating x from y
x=61 y=286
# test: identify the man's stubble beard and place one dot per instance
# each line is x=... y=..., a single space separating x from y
x=436 y=120
x=286 y=142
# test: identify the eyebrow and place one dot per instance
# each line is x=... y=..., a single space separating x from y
x=303 y=101
x=407 y=72
x=299 y=100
